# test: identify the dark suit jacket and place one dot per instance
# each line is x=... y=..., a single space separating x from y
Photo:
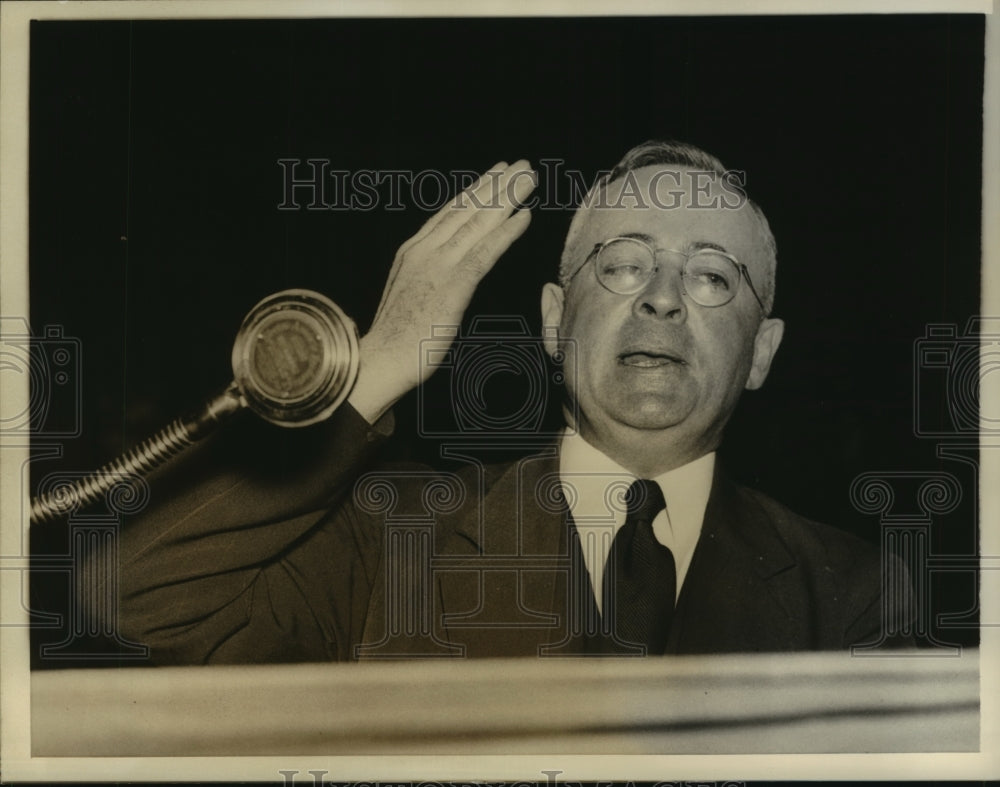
x=404 y=561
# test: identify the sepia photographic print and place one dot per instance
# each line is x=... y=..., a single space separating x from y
x=495 y=392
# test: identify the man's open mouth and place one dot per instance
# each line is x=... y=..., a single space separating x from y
x=648 y=360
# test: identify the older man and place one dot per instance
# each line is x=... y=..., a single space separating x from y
x=624 y=537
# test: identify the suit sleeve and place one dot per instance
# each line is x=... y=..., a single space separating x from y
x=250 y=550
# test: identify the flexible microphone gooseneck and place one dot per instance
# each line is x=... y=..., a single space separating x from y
x=295 y=360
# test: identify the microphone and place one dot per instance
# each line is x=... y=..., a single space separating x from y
x=295 y=360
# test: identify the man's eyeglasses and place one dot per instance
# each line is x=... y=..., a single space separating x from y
x=710 y=277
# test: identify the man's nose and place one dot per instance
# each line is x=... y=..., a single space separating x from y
x=663 y=296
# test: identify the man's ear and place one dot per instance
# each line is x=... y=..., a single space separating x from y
x=552 y=309
x=765 y=345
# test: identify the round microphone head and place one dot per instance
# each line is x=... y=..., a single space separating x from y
x=295 y=358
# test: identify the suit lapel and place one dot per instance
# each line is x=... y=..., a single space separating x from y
x=741 y=591
x=506 y=597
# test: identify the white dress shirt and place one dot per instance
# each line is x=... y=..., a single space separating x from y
x=595 y=486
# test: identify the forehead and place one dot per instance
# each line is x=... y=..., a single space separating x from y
x=678 y=207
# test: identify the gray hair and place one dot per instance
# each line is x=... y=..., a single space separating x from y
x=680 y=154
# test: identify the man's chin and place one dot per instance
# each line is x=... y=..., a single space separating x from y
x=653 y=413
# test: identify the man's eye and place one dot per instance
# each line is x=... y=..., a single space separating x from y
x=710 y=279
x=621 y=269
x=714 y=277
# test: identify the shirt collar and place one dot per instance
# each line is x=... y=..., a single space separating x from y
x=590 y=480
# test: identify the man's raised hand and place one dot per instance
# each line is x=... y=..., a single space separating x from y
x=432 y=280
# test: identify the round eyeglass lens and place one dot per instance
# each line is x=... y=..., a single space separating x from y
x=710 y=279
x=624 y=265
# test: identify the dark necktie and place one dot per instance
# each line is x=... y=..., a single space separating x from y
x=640 y=574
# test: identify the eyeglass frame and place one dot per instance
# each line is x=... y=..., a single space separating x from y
x=741 y=267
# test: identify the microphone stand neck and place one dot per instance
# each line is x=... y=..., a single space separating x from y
x=139 y=461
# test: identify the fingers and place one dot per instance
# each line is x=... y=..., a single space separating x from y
x=479 y=261
x=478 y=193
x=480 y=189
x=449 y=235
x=486 y=207
x=433 y=278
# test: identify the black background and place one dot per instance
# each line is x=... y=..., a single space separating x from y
x=154 y=226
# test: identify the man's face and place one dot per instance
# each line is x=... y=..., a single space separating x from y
x=656 y=365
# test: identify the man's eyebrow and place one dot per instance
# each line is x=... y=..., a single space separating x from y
x=697 y=245
x=639 y=236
